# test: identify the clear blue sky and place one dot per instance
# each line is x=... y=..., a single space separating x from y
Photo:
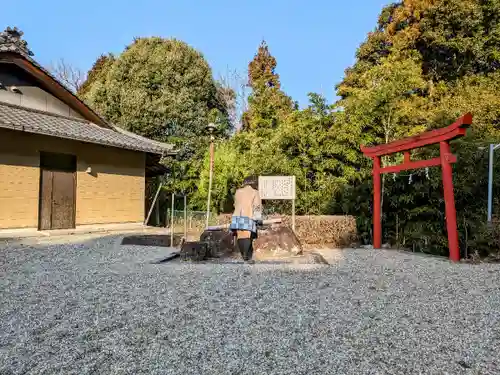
x=313 y=41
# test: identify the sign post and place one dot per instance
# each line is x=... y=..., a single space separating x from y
x=278 y=187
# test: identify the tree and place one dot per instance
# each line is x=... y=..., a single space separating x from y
x=460 y=37
x=234 y=92
x=387 y=103
x=426 y=63
x=454 y=37
x=305 y=145
x=262 y=70
x=69 y=75
x=96 y=78
x=159 y=88
x=227 y=98
x=267 y=104
x=308 y=139
x=162 y=89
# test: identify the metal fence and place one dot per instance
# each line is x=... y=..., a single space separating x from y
x=191 y=220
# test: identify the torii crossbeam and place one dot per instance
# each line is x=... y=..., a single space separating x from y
x=442 y=136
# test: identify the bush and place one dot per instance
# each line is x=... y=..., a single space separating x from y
x=485 y=243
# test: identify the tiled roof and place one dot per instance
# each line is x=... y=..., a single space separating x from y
x=38 y=122
x=11 y=41
x=33 y=121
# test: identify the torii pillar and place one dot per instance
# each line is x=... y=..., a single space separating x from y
x=442 y=137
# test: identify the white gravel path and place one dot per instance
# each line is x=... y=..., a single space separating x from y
x=100 y=308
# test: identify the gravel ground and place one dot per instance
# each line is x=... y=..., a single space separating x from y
x=100 y=308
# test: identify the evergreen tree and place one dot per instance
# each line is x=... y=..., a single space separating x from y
x=96 y=77
x=268 y=105
x=425 y=64
x=262 y=70
x=159 y=88
x=162 y=89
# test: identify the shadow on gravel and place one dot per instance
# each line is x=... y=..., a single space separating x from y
x=152 y=240
x=175 y=259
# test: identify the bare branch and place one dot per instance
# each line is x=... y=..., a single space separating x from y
x=69 y=75
x=235 y=95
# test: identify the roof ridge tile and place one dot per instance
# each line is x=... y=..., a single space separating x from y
x=15 y=117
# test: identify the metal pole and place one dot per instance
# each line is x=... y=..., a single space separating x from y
x=210 y=178
x=172 y=222
x=185 y=218
x=490 y=182
x=293 y=215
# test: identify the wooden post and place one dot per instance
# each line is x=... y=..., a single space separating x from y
x=407 y=157
x=377 y=209
x=172 y=220
x=449 y=201
x=185 y=218
x=293 y=215
x=157 y=212
x=153 y=204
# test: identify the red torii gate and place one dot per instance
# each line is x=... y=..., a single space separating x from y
x=442 y=136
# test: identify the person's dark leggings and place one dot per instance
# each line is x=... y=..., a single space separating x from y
x=246 y=247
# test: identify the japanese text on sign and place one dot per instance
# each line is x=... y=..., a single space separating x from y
x=277 y=187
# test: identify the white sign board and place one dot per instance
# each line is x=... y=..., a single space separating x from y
x=277 y=187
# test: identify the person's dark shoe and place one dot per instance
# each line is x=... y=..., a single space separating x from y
x=250 y=261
